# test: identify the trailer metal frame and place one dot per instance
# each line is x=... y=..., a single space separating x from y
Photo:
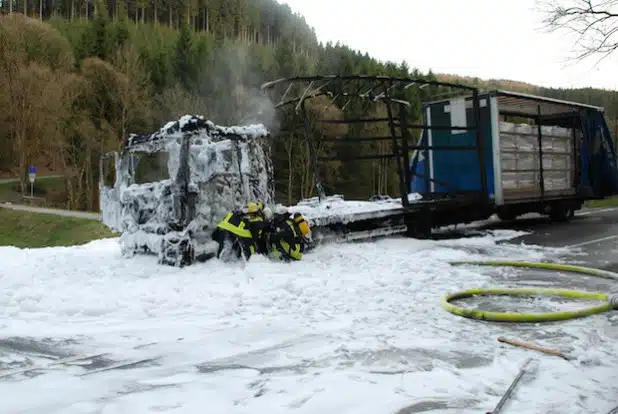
x=343 y=89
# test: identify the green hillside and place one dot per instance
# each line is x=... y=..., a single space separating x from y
x=80 y=75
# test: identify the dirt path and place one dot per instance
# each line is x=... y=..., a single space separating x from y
x=56 y=211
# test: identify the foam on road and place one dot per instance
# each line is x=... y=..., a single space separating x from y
x=353 y=328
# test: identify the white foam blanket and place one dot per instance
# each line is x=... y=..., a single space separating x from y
x=353 y=328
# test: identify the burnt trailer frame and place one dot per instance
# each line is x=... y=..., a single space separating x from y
x=419 y=217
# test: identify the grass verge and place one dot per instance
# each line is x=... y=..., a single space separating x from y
x=606 y=202
x=31 y=230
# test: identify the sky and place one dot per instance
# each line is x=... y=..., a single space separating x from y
x=503 y=39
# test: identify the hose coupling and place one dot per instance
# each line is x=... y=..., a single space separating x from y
x=613 y=300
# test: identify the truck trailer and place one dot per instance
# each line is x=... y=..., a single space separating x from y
x=458 y=159
x=540 y=155
x=472 y=155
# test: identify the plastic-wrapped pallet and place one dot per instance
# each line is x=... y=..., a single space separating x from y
x=527 y=138
x=547 y=130
x=557 y=159
x=507 y=126
x=507 y=154
x=519 y=157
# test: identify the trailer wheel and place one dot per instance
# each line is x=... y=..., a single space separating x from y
x=561 y=213
x=507 y=216
x=419 y=229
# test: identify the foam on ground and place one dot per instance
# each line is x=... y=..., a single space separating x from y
x=353 y=328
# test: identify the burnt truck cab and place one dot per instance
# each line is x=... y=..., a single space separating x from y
x=169 y=189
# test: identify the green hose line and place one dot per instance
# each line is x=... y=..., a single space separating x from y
x=545 y=266
x=610 y=302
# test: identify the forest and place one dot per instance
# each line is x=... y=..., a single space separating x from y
x=79 y=76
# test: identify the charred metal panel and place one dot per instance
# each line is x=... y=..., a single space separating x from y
x=212 y=169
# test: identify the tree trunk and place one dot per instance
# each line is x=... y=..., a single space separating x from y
x=21 y=144
x=89 y=194
x=80 y=189
x=307 y=174
x=289 y=148
x=70 y=193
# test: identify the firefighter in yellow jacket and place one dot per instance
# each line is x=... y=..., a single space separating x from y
x=242 y=230
x=288 y=237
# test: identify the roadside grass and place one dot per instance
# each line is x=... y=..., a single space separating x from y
x=32 y=230
x=607 y=202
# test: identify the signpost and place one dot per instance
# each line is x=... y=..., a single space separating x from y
x=32 y=176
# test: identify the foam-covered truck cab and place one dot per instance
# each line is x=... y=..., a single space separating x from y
x=169 y=189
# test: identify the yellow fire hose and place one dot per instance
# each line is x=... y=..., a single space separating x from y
x=609 y=301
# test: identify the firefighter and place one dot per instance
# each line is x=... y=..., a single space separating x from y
x=258 y=218
x=242 y=230
x=288 y=237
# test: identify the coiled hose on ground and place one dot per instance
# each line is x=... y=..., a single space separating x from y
x=610 y=302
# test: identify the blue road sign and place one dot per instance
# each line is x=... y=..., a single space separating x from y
x=32 y=169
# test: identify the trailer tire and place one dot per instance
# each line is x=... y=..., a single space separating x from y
x=507 y=216
x=562 y=213
x=419 y=229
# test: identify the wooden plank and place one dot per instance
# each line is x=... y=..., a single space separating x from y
x=544 y=350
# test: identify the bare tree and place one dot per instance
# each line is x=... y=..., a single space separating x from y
x=133 y=89
x=595 y=22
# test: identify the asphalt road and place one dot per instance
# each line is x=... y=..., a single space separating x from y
x=594 y=231
x=56 y=211
x=14 y=180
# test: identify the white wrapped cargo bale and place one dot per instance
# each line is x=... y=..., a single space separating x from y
x=527 y=143
x=556 y=161
x=563 y=132
x=547 y=130
x=556 y=180
x=520 y=181
x=507 y=126
x=523 y=129
x=520 y=159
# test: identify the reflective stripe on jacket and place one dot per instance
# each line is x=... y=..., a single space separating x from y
x=235 y=224
x=287 y=241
